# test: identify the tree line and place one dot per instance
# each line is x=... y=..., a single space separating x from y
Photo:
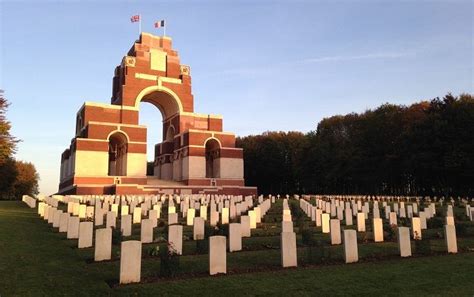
x=17 y=178
x=426 y=148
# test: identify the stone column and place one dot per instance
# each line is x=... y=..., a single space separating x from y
x=130 y=261
x=217 y=255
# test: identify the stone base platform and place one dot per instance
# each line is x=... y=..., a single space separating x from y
x=155 y=186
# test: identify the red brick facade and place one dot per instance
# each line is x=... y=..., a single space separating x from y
x=108 y=153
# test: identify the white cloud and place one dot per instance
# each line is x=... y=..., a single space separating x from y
x=387 y=55
x=266 y=69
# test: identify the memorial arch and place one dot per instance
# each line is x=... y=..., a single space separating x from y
x=108 y=153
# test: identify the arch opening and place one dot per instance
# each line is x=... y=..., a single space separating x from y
x=170 y=134
x=212 y=158
x=164 y=99
x=118 y=148
x=151 y=117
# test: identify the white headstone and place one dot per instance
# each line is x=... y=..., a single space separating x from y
x=73 y=227
x=130 y=261
x=335 y=231
x=146 y=231
x=235 y=237
x=378 y=230
x=360 y=222
x=103 y=244
x=190 y=216
x=85 y=234
x=450 y=237
x=175 y=238
x=64 y=222
x=217 y=255
x=245 y=226
x=198 y=228
x=288 y=249
x=172 y=218
x=351 y=253
x=126 y=225
x=416 y=228
x=404 y=244
x=325 y=222
x=348 y=216
x=286 y=226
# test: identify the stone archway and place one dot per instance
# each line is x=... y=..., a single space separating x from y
x=166 y=165
x=212 y=151
x=118 y=149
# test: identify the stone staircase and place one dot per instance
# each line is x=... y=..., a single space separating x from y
x=156 y=182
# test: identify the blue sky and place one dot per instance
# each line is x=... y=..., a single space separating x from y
x=263 y=65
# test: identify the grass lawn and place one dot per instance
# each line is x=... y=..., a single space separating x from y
x=37 y=261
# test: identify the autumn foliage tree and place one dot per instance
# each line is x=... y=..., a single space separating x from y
x=17 y=178
x=423 y=149
x=7 y=141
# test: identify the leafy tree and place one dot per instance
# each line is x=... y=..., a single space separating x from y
x=8 y=174
x=17 y=178
x=7 y=141
x=426 y=148
x=26 y=182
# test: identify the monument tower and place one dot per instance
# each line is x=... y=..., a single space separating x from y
x=108 y=154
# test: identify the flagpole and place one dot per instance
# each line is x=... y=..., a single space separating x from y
x=139 y=25
x=164 y=29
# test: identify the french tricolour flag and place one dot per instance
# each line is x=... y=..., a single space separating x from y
x=135 y=18
x=160 y=24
